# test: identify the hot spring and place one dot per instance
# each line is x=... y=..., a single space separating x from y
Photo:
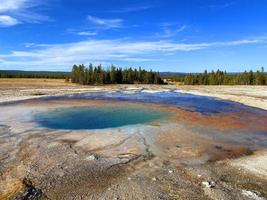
x=88 y=117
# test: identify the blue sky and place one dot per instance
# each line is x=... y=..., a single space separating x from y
x=163 y=35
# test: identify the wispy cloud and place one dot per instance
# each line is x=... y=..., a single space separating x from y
x=170 y=30
x=105 y=23
x=221 y=6
x=60 y=56
x=11 y=5
x=14 y=12
x=82 y=32
x=87 y=33
x=29 y=44
x=6 y=20
x=135 y=8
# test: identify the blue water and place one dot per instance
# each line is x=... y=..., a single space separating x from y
x=77 y=118
x=201 y=104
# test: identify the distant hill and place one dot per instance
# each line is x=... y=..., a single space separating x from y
x=172 y=74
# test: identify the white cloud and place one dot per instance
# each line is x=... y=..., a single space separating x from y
x=7 y=21
x=87 y=33
x=221 y=6
x=134 y=8
x=169 y=31
x=21 y=11
x=61 y=56
x=105 y=23
x=11 y=5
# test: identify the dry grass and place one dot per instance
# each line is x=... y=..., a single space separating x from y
x=20 y=82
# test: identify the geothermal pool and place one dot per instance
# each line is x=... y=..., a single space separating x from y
x=221 y=120
x=79 y=118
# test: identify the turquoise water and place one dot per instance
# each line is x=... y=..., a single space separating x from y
x=77 y=118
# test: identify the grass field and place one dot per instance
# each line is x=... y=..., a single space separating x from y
x=33 y=82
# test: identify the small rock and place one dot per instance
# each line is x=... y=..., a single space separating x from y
x=199 y=175
x=170 y=171
x=252 y=194
x=129 y=178
x=91 y=157
x=206 y=184
x=209 y=184
x=154 y=179
x=218 y=147
x=212 y=184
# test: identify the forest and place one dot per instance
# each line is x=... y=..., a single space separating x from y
x=95 y=75
x=224 y=78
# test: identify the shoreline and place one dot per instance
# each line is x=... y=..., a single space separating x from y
x=247 y=101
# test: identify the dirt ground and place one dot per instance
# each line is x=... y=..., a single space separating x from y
x=177 y=159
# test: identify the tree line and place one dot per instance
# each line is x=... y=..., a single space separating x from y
x=93 y=75
x=224 y=78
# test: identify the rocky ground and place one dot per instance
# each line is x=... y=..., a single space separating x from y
x=151 y=161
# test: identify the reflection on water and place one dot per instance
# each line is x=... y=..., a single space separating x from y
x=202 y=104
